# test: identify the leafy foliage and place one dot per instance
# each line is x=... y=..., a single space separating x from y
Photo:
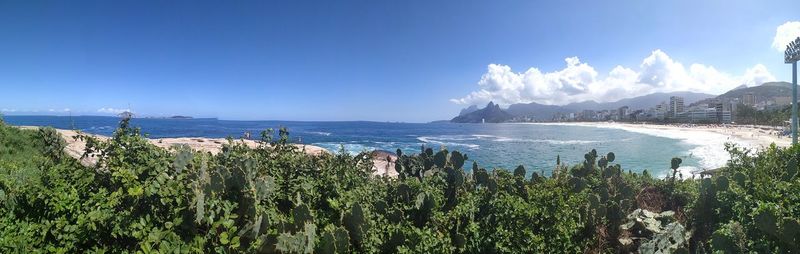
x=750 y=115
x=275 y=198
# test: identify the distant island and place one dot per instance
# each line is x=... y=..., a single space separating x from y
x=170 y=117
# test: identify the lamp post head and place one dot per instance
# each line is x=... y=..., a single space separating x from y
x=792 y=53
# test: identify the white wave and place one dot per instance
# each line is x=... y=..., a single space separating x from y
x=443 y=142
x=100 y=128
x=549 y=141
x=350 y=148
x=708 y=146
x=492 y=138
x=321 y=133
x=567 y=142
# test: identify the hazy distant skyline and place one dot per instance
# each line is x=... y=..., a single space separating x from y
x=412 y=61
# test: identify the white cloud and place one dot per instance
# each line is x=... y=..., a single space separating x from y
x=786 y=33
x=112 y=110
x=579 y=81
x=8 y=110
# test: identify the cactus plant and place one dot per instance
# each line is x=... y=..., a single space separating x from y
x=457 y=159
x=342 y=240
x=707 y=186
x=535 y=177
x=791 y=169
x=577 y=184
x=460 y=241
x=440 y=159
x=602 y=163
x=722 y=183
x=790 y=231
x=481 y=177
x=394 y=215
x=725 y=239
x=455 y=177
x=356 y=224
x=183 y=158
x=492 y=184
x=608 y=172
x=674 y=237
x=380 y=207
x=397 y=238
x=301 y=215
x=424 y=206
x=428 y=152
x=658 y=232
x=327 y=243
x=766 y=222
x=740 y=178
x=300 y=242
x=519 y=171
x=594 y=204
x=404 y=192
x=675 y=163
x=398 y=167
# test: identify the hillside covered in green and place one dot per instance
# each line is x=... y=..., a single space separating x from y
x=275 y=198
x=765 y=91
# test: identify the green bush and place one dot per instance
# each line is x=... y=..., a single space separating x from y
x=275 y=198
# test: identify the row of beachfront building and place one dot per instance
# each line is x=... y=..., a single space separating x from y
x=711 y=111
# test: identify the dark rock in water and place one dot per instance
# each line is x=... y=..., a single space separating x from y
x=492 y=113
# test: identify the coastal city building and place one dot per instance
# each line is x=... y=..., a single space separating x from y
x=675 y=106
x=623 y=112
x=749 y=99
x=783 y=100
x=660 y=112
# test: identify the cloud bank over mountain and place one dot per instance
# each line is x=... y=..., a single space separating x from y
x=784 y=34
x=579 y=81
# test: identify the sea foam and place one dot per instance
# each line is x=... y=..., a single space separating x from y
x=709 y=147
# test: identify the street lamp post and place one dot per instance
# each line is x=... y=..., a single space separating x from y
x=791 y=56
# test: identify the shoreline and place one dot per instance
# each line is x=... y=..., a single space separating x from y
x=708 y=140
x=75 y=148
x=754 y=136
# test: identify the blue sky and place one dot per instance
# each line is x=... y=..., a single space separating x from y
x=373 y=60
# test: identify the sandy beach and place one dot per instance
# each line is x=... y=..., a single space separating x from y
x=709 y=140
x=749 y=136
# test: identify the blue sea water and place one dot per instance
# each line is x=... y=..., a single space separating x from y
x=491 y=145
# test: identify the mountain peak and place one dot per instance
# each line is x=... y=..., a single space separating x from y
x=492 y=113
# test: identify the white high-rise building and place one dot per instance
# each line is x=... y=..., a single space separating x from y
x=675 y=106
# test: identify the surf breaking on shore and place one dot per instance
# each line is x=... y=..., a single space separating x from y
x=708 y=141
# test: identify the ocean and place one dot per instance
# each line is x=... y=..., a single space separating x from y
x=506 y=146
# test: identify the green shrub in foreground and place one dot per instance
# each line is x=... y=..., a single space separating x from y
x=275 y=198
